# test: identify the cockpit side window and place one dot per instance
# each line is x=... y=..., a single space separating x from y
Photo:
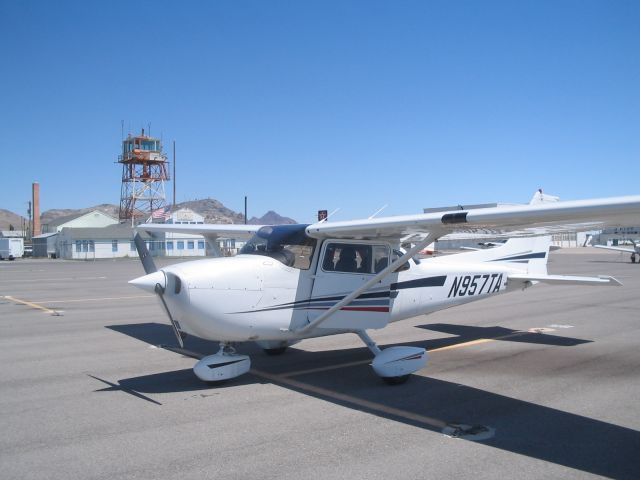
x=354 y=258
x=382 y=260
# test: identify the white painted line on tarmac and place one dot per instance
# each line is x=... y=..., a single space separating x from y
x=33 y=305
x=57 y=279
x=434 y=350
x=342 y=397
x=78 y=300
x=324 y=369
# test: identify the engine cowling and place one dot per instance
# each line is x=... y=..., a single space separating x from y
x=399 y=361
x=215 y=368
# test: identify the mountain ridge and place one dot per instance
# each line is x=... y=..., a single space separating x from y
x=211 y=209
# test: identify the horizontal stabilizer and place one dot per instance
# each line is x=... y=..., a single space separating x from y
x=616 y=249
x=601 y=280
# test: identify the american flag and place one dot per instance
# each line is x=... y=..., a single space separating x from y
x=162 y=213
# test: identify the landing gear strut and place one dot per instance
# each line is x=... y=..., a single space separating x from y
x=394 y=364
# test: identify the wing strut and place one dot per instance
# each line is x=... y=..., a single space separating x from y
x=431 y=236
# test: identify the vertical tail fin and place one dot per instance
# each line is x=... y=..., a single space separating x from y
x=537 y=247
x=540 y=197
x=531 y=253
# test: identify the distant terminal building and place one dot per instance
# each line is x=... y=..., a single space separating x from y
x=617 y=236
x=144 y=173
x=96 y=235
x=87 y=242
x=181 y=244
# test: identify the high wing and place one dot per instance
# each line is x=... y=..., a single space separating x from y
x=214 y=230
x=506 y=221
x=210 y=231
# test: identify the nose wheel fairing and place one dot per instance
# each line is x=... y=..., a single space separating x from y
x=224 y=365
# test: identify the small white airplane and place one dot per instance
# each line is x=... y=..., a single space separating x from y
x=635 y=251
x=291 y=282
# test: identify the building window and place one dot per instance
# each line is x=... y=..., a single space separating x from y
x=200 y=244
x=78 y=246
x=85 y=246
x=180 y=245
x=92 y=246
x=190 y=245
x=152 y=246
x=114 y=245
x=169 y=245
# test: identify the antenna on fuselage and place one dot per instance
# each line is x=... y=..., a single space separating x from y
x=378 y=211
x=329 y=215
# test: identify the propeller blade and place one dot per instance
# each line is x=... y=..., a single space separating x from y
x=153 y=279
x=143 y=253
x=160 y=291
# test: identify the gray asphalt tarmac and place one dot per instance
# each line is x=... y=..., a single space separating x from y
x=88 y=391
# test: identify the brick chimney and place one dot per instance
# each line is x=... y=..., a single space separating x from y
x=36 y=208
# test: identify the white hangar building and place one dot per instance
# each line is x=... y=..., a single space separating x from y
x=116 y=240
x=112 y=241
x=96 y=235
x=92 y=219
x=46 y=244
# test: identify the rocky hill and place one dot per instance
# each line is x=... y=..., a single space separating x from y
x=212 y=210
x=271 y=218
x=50 y=215
x=9 y=219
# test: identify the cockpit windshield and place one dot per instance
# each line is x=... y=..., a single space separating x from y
x=288 y=244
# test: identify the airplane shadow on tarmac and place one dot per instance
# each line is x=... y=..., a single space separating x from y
x=521 y=427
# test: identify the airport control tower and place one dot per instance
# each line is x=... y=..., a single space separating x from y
x=144 y=172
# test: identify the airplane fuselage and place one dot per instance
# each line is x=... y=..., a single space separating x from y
x=256 y=298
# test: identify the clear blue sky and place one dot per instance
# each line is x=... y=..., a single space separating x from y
x=323 y=104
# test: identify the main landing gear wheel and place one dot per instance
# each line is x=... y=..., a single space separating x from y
x=396 y=380
x=274 y=347
x=275 y=351
x=394 y=364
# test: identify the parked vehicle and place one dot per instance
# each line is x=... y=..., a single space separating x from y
x=11 y=248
